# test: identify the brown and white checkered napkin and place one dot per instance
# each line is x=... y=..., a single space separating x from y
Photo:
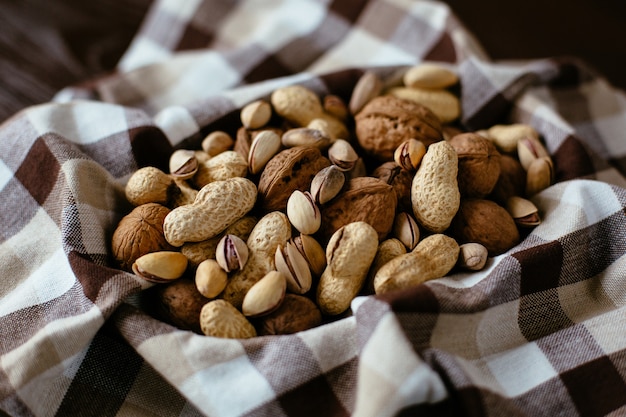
x=539 y=332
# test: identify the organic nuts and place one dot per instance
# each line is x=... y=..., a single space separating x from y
x=429 y=75
x=218 y=205
x=297 y=104
x=349 y=254
x=303 y=213
x=343 y=155
x=219 y=318
x=295 y=314
x=472 y=256
x=479 y=164
x=505 y=137
x=210 y=278
x=217 y=142
x=358 y=170
x=435 y=193
x=291 y=169
x=160 y=267
x=305 y=136
x=256 y=114
x=138 y=233
x=388 y=249
x=365 y=199
x=231 y=253
x=312 y=252
x=270 y=232
x=409 y=154
x=406 y=230
x=264 y=146
x=511 y=182
x=178 y=303
x=387 y=121
x=187 y=194
x=327 y=183
x=530 y=148
x=294 y=267
x=540 y=175
x=523 y=211
x=330 y=126
x=445 y=105
x=228 y=164
x=335 y=106
x=368 y=86
x=400 y=179
x=265 y=295
x=485 y=222
x=183 y=164
x=151 y=185
x=432 y=258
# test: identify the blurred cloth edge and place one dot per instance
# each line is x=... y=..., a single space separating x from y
x=524 y=337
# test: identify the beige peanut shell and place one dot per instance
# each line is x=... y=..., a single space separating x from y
x=218 y=205
x=435 y=194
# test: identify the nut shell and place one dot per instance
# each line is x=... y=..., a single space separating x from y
x=218 y=318
x=479 y=164
x=296 y=313
x=291 y=169
x=485 y=222
x=177 y=303
x=387 y=121
x=365 y=199
x=138 y=233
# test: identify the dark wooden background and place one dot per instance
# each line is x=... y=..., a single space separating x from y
x=46 y=45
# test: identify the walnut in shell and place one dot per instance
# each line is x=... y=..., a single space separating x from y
x=296 y=313
x=138 y=233
x=479 y=164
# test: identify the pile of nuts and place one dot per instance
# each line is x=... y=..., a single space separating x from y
x=317 y=200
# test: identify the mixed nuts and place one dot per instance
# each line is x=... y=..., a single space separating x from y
x=276 y=227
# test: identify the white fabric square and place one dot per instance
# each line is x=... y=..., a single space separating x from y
x=329 y=351
x=78 y=121
x=349 y=52
x=603 y=328
x=142 y=52
x=520 y=369
x=5 y=174
x=176 y=123
x=183 y=9
x=271 y=25
x=229 y=389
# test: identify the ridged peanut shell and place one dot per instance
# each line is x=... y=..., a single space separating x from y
x=349 y=255
x=223 y=166
x=432 y=258
x=435 y=195
x=218 y=205
x=365 y=199
x=218 y=318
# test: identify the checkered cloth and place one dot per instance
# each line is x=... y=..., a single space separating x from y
x=538 y=332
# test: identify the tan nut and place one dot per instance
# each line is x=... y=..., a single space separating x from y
x=297 y=104
x=264 y=146
x=159 y=267
x=523 y=211
x=218 y=205
x=256 y=114
x=472 y=256
x=303 y=213
x=151 y=185
x=265 y=295
x=530 y=148
x=294 y=267
x=443 y=103
x=349 y=254
x=388 y=249
x=505 y=137
x=183 y=164
x=217 y=142
x=210 y=278
x=409 y=154
x=540 y=175
x=228 y=164
x=335 y=106
x=432 y=258
x=305 y=136
x=429 y=75
x=342 y=154
x=218 y=318
x=330 y=125
x=231 y=253
x=327 y=183
x=406 y=230
x=366 y=88
x=312 y=251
